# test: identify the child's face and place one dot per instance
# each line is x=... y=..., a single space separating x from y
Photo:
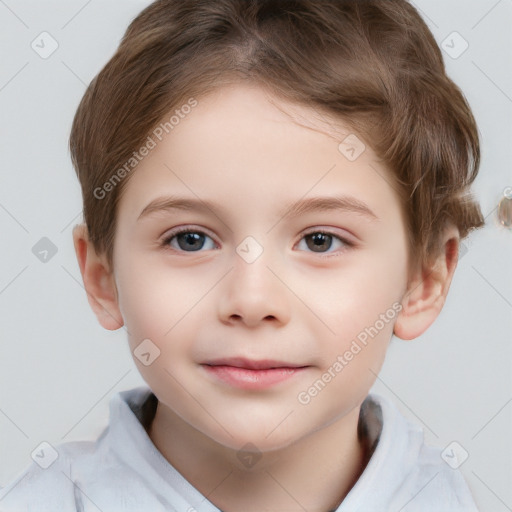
x=211 y=301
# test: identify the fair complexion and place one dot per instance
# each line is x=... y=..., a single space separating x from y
x=243 y=157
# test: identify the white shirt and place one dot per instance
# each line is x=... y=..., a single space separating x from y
x=122 y=471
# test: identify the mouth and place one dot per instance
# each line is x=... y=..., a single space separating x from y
x=251 y=374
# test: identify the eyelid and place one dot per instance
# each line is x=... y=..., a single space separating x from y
x=347 y=239
x=169 y=234
x=347 y=244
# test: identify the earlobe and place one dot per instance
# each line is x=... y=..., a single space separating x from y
x=98 y=281
x=427 y=291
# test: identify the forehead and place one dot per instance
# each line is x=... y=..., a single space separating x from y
x=240 y=145
x=245 y=106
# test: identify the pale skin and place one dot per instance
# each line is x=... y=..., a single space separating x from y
x=294 y=304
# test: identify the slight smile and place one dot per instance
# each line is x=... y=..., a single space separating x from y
x=252 y=375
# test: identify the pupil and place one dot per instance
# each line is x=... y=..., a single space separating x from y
x=320 y=241
x=192 y=241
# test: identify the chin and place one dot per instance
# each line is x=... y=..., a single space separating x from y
x=255 y=438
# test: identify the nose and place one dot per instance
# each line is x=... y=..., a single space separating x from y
x=253 y=295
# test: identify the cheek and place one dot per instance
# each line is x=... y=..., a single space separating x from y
x=153 y=298
x=361 y=309
x=159 y=304
x=359 y=305
x=380 y=276
x=357 y=295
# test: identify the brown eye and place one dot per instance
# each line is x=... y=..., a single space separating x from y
x=319 y=242
x=322 y=242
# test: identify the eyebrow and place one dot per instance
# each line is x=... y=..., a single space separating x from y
x=343 y=203
x=301 y=207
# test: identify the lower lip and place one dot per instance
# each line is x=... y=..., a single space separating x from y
x=252 y=379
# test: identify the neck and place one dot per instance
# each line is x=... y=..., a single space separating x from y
x=314 y=473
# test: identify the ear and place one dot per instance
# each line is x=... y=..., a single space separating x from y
x=427 y=290
x=98 y=281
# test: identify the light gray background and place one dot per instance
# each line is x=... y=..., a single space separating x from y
x=59 y=368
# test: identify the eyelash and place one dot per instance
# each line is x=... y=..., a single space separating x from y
x=178 y=231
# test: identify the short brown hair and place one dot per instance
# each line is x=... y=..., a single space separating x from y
x=374 y=64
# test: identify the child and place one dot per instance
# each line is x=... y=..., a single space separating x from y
x=272 y=189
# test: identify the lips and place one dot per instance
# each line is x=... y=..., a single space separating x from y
x=250 y=374
x=248 y=364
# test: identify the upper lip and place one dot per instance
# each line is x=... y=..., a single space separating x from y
x=249 y=364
